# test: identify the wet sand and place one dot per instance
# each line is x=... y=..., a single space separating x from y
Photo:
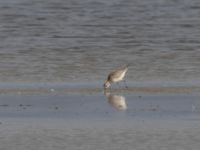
x=86 y=118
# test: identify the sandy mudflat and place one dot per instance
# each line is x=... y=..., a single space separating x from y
x=57 y=120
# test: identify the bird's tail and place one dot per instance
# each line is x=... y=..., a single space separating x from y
x=123 y=67
x=128 y=65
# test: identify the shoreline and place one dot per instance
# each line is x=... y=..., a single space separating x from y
x=95 y=90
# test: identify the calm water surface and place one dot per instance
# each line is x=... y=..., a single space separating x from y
x=76 y=40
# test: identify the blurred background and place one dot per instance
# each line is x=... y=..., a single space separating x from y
x=83 y=40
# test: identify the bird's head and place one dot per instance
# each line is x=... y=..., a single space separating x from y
x=106 y=84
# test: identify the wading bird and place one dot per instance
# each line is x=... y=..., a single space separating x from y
x=116 y=76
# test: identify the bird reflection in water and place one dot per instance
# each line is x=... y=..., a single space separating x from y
x=117 y=101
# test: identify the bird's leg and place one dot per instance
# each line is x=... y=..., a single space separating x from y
x=118 y=85
x=125 y=83
x=110 y=89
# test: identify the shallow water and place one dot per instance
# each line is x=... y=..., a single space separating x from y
x=89 y=119
x=127 y=109
x=56 y=41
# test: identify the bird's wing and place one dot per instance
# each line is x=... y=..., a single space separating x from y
x=116 y=73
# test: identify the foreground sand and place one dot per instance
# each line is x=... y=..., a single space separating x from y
x=92 y=120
